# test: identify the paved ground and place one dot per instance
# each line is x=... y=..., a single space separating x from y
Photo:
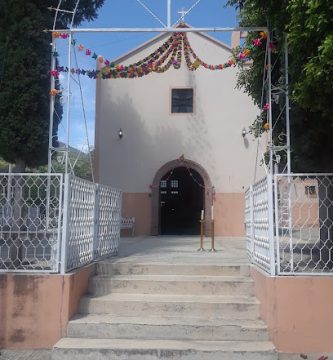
x=175 y=250
x=46 y=355
x=25 y=354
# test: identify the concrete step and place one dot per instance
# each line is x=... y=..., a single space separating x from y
x=172 y=284
x=124 y=349
x=166 y=328
x=127 y=268
x=205 y=306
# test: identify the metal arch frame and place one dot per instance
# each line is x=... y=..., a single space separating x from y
x=167 y=29
x=53 y=47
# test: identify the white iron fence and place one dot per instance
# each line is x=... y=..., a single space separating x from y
x=30 y=226
x=92 y=217
x=304 y=223
x=289 y=224
x=259 y=224
x=40 y=232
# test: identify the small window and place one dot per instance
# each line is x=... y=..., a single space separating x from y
x=163 y=184
x=310 y=190
x=182 y=101
x=174 y=183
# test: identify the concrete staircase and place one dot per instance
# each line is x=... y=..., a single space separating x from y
x=149 y=311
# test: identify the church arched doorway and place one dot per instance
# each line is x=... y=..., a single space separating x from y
x=181 y=201
x=180 y=190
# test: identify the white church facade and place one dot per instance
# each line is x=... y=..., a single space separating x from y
x=181 y=149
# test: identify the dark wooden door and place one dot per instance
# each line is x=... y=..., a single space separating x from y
x=181 y=201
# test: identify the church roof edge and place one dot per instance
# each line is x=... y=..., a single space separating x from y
x=161 y=36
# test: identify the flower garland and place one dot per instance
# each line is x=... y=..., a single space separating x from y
x=167 y=55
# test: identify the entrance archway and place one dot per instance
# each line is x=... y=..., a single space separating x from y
x=181 y=201
x=182 y=188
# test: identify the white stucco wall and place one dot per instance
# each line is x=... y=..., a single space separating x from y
x=211 y=136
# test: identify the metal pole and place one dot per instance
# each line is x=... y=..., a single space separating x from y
x=9 y=184
x=68 y=112
x=57 y=247
x=49 y=160
x=201 y=248
x=95 y=253
x=162 y=30
x=290 y=220
x=66 y=223
x=269 y=73
x=213 y=237
x=252 y=222
x=169 y=13
x=271 y=223
x=271 y=167
x=52 y=85
x=277 y=235
x=286 y=63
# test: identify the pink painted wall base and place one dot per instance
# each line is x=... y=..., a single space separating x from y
x=35 y=309
x=228 y=213
x=297 y=311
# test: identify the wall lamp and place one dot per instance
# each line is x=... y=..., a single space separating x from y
x=120 y=133
x=244 y=132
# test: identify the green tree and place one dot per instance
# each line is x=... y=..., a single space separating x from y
x=308 y=24
x=25 y=75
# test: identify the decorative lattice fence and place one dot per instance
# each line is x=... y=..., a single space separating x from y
x=289 y=224
x=30 y=222
x=48 y=225
x=259 y=224
x=92 y=218
x=304 y=223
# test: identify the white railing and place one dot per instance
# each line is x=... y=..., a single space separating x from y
x=47 y=225
x=109 y=221
x=289 y=224
x=304 y=223
x=92 y=216
x=259 y=224
x=248 y=221
x=30 y=226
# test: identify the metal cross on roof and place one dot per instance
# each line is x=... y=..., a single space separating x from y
x=182 y=14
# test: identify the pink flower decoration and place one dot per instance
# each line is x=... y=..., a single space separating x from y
x=54 y=73
x=64 y=36
x=256 y=42
x=266 y=107
x=88 y=52
x=107 y=62
x=241 y=56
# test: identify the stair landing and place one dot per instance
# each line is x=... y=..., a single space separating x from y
x=162 y=299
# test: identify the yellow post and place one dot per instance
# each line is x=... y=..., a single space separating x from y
x=201 y=248
x=213 y=237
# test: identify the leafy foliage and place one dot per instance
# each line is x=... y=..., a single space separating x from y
x=311 y=41
x=24 y=82
x=24 y=75
x=309 y=28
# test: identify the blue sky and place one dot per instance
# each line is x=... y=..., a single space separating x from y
x=129 y=13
